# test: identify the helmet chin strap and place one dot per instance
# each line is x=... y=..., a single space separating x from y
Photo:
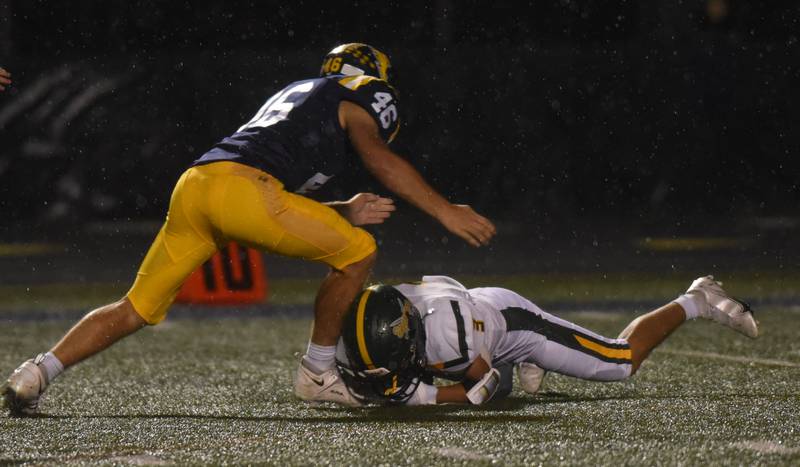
x=350 y=70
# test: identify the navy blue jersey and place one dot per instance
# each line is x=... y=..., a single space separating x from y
x=296 y=136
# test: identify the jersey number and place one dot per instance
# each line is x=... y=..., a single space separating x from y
x=279 y=106
x=386 y=112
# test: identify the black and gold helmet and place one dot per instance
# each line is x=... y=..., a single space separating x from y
x=357 y=59
x=384 y=342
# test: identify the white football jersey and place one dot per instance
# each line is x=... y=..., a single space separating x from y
x=456 y=329
x=462 y=323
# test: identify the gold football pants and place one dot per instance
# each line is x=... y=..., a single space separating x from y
x=225 y=201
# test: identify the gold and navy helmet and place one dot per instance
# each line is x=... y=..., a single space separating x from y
x=384 y=340
x=357 y=59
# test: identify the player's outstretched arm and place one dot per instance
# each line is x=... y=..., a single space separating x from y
x=5 y=79
x=401 y=178
x=364 y=208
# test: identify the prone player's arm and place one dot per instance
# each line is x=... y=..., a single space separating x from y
x=402 y=178
x=475 y=388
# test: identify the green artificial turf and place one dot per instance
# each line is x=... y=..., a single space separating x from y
x=219 y=392
x=558 y=288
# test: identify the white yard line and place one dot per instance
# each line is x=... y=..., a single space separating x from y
x=138 y=459
x=734 y=358
x=462 y=454
x=766 y=447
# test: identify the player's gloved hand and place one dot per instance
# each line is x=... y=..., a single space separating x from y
x=463 y=221
x=484 y=389
x=424 y=395
x=367 y=208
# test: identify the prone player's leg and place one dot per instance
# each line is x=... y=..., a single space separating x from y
x=646 y=332
x=558 y=345
x=554 y=344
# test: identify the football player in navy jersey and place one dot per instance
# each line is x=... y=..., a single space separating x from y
x=249 y=188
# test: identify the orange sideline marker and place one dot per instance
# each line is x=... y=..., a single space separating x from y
x=234 y=275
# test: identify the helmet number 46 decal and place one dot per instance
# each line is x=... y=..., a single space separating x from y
x=332 y=65
x=386 y=111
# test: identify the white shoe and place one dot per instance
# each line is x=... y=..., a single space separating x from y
x=24 y=388
x=530 y=377
x=723 y=308
x=326 y=386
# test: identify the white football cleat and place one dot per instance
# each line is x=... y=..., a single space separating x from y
x=24 y=388
x=723 y=308
x=530 y=377
x=324 y=387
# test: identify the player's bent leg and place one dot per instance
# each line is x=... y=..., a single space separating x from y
x=646 y=332
x=94 y=332
x=184 y=242
x=98 y=330
x=317 y=379
x=253 y=208
x=334 y=297
x=262 y=214
x=554 y=344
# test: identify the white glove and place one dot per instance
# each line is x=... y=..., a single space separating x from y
x=485 y=388
x=424 y=395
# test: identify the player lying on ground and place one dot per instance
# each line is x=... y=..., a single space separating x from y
x=241 y=190
x=395 y=340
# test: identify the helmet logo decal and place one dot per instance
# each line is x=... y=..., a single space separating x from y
x=400 y=325
x=391 y=390
x=362 y=342
x=356 y=58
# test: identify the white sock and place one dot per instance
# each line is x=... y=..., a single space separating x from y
x=320 y=357
x=693 y=304
x=52 y=366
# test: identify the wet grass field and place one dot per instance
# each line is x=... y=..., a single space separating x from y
x=218 y=391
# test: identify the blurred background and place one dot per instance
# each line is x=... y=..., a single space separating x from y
x=598 y=135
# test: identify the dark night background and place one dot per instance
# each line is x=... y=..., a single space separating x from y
x=546 y=113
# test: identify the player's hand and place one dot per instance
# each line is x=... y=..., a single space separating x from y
x=461 y=220
x=5 y=79
x=368 y=208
